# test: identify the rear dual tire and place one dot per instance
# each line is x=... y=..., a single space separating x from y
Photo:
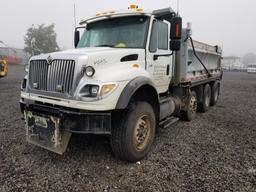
x=206 y=100
x=209 y=98
x=215 y=93
x=191 y=107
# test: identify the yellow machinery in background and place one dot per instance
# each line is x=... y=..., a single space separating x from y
x=3 y=68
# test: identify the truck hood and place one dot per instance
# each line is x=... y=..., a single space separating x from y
x=102 y=53
x=106 y=61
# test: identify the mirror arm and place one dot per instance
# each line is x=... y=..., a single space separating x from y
x=164 y=55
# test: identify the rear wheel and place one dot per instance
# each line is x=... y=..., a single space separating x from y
x=190 y=113
x=215 y=93
x=205 y=104
x=133 y=132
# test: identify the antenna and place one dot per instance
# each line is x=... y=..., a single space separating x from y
x=178 y=7
x=75 y=14
x=74 y=17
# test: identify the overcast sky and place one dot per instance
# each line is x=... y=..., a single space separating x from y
x=228 y=23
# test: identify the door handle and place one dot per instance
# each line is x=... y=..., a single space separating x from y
x=155 y=57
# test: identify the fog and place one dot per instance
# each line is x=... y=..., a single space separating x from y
x=228 y=23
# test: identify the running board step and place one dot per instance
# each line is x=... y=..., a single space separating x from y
x=167 y=122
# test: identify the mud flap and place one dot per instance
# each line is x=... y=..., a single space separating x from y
x=44 y=131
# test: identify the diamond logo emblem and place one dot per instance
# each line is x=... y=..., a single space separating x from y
x=49 y=60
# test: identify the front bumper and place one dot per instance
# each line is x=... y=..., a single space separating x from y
x=105 y=104
x=72 y=120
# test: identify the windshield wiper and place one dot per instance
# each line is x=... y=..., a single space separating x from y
x=105 y=45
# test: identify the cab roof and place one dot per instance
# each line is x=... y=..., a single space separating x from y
x=166 y=14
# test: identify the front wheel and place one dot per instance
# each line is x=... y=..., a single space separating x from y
x=133 y=132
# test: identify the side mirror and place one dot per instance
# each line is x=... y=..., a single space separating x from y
x=175 y=33
x=176 y=28
x=175 y=45
x=26 y=68
x=76 y=38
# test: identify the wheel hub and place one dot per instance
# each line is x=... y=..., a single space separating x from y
x=193 y=104
x=142 y=132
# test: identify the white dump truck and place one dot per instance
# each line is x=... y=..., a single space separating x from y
x=131 y=73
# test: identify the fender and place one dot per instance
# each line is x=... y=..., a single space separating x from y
x=131 y=88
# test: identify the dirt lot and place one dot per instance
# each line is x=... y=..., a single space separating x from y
x=215 y=152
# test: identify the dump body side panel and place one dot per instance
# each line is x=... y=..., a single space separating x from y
x=189 y=69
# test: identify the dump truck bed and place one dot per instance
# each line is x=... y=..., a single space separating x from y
x=188 y=68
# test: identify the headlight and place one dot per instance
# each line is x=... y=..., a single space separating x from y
x=89 y=71
x=105 y=89
x=97 y=91
x=89 y=91
x=26 y=68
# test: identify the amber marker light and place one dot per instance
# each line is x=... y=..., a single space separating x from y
x=177 y=30
x=132 y=6
x=106 y=89
x=136 y=66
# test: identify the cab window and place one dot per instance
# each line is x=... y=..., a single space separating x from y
x=159 y=36
x=162 y=35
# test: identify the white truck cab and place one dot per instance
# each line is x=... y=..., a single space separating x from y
x=130 y=73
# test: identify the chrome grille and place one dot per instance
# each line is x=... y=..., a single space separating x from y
x=55 y=77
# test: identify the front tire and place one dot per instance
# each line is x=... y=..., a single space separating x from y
x=133 y=132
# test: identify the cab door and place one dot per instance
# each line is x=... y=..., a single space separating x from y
x=159 y=56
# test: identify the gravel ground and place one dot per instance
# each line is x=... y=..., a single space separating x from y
x=215 y=152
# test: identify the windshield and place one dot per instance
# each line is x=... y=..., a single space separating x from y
x=124 y=32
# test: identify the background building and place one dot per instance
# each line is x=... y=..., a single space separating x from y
x=232 y=63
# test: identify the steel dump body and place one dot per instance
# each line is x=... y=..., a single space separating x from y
x=189 y=69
